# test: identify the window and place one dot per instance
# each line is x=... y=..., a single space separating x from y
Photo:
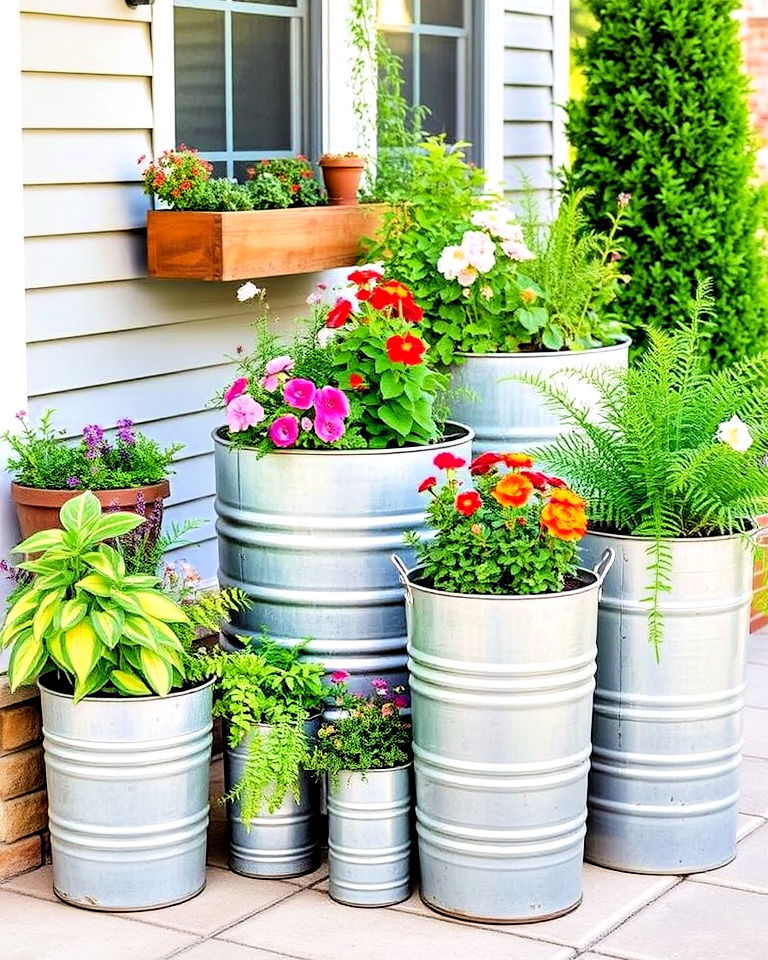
x=243 y=71
x=434 y=40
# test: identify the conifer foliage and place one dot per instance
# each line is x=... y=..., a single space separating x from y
x=664 y=118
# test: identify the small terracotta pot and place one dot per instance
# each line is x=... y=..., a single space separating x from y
x=39 y=509
x=341 y=176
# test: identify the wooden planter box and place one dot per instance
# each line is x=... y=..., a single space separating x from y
x=240 y=245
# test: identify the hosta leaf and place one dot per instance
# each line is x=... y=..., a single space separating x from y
x=129 y=683
x=127 y=602
x=96 y=679
x=157 y=671
x=165 y=634
x=58 y=653
x=71 y=612
x=39 y=541
x=96 y=584
x=83 y=648
x=141 y=631
x=22 y=609
x=80 y=513
x=108 y=625
x=46 y=609
x=28 y=657
x=115 y=525
x=106 y=561
x=160 y=607
x=140 y=580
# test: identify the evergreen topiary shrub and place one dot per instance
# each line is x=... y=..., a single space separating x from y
x=664 y=118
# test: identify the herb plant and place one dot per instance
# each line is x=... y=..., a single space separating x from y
x=511 y=533
x=295 y=174
x=85 y=615
x=369 y=733
x=675 y=449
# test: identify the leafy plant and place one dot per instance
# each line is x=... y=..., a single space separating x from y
x=272 y=686
x=369 y=734
x=177 y=177
x=669 y=448
x=664 y=117
x=295 y=175
x=85 y=615
x=510 y=534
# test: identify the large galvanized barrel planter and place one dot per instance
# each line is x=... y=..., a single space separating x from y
x=507 y=415
x=664 y=786
x=307 y=534
x=369 y=837
x=501 y=690
x=284 y=843
x=127 y=796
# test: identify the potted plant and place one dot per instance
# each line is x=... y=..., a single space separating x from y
x=296 y=174
x=127 y=739
x=675 y=470
x=501 y=298
x=341 y=175
x=316 y=472
x=270 y=702
x=365 y=754
x=501 y=637
x=126 y=470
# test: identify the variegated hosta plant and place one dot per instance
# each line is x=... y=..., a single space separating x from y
x=83 y=614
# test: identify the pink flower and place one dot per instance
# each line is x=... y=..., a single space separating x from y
x=244 y=412
x=238 y=387
x=279 y=365
x=339 y=676
x=284 y=430
x=379 y=683
x=517 y=251
x=400 y=701
x=329 y=429
x=306 y=424
x=270 y=383
x=467 y=277
x=331 y=402
x=299 y=393
x=479 y=249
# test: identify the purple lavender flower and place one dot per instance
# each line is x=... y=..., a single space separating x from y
x=93 y=435
x=73 y=482
x=125 y=432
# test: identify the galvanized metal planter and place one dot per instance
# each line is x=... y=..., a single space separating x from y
x=501 y=691
x=369 y=837
x=285 y=843
x=128 y=796
x=513 y=416
x=664 y=785
x=308 y=534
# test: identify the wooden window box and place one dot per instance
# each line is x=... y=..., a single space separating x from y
x=240 y=245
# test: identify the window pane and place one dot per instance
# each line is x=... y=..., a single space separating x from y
x=219 y=168
x=199 y=46
x=277 y=3
x=402 y=45
x=395 y=13
x=438 y=84
x=261 y=69
x=446 y=13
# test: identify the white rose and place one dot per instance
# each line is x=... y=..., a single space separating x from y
x=735 y=433
x=248 y=291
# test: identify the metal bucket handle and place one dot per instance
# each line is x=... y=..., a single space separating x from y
x=604 y=564
x=402 y=574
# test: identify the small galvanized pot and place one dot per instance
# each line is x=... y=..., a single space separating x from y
x=664 y=786
x=369 y=837
x=501 y=690
x=507 y=415
x=127 y=796
x=285 y=843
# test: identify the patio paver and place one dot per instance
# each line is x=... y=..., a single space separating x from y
x=749 y=871
x=757 y=686
x=757 y=648
x=756 y=732
x=754 y=786
x=222 y=950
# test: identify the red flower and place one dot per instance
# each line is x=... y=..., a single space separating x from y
x=539 y=480
x=427 y=484
x=339 y=313
x=556 y=482
x=517 y=460
x=468 y=503
x=484 y=463
x=357 y=381
x=370 y=275
x=409 y=350
x=411 y=311
x=294 y=188
x=447 y=461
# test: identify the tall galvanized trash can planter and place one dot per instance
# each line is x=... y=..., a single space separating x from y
x=506 y=415
x=307 y=534
x=664 y=785
x=127 y=795
x=369 y=837
x=284 y=843
x=501 y=690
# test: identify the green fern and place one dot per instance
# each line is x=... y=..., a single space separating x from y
x=271 y=771
x=649 y=464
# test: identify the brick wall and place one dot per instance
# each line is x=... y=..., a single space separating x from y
x=754 y=16
x=23 y=804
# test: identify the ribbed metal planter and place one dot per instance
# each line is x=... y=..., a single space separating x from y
x=285 y=843
x=512 y=416
x=664 y=785
x=369 y=837
x=128 y=796
x=308 y=534
x=501 y=691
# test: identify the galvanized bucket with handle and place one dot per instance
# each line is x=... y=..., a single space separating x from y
x=501 y=690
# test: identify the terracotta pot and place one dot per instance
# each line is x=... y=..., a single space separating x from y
x=341 y=176
x=39 y=509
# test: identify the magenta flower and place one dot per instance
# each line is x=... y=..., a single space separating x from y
x=306 y=424
x=379 y=683
x=331 y=402
x=284 y=430
x=237 y=389
x=125 y=432
x=329 y=429
x=244 y=412
x=339 y=676
x=299 y=393
x=400 y=701
x=279 y=365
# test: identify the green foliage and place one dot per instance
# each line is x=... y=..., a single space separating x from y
x=295 y=175
x=273 y=686
x=369 y=734
x=657 y=461
x=177 y=177
x=95 y=461
x=664 y=117
x=85 y=615
x=219 y=195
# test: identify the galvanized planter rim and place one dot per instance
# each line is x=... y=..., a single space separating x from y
x=403 y=766
x=507 y=596
x=468 y=434
x=95 y=698
x=270 y=726
x=621 y=342
x=753 y=528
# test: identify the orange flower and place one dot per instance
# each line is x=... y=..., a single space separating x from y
x=513 y=460
x=528 y=296
x=567 y=496
x=513 y=490
x=563 y=515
